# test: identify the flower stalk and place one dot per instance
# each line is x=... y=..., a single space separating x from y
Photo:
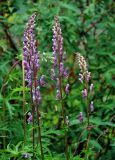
x=59 y=72
x=85 y=77
x=31 y=68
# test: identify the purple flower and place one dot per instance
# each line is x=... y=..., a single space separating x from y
x=81 y=78
x=88 y=76
x=61 y=68
x=67 y=89
x=42 y=81
x=91 y=88
x=66 y=73
x=26 y=155
x=53 y=74
x=58 y=96
x=39 y=99
x=29 y=117
x=91 y=106
x=84 y=93
x=81 y=117
x=36 y=96
x=55 y=61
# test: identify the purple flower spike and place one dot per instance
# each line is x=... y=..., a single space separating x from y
x=42 y=81
x=57 y=40
x=29 y=119
x=83 y=69
x=59 y=71
x=84 y=93
x=31 y=60
x=91 y=88
x=91 y=107
x=31 y=57
x=67 y=89
x=81 y=117
x=58 y=96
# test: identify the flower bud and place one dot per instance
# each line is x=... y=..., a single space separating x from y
x=81 y=117
x=84 y=93
x=42 y=81
x=91 y=88
x=58 y=96
x=67 y=89
x=91 y=106
x=61 y=68
x=29 y=118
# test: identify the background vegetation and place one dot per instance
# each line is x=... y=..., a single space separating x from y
x=88 y=27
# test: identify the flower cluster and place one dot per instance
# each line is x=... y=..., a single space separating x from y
x=31 y=61
x=84 y=73
x=29 y=117
x=85 y=77
x=58 y=71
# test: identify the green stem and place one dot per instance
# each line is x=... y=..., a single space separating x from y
x=33 y=133
x=24 y=105
x=88 y=122
x=39 y=135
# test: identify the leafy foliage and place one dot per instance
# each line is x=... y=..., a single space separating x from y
x=88 y=27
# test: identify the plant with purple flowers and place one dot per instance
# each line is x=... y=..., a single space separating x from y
x=31 y=67
x=85 y=79
x=59 y=71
